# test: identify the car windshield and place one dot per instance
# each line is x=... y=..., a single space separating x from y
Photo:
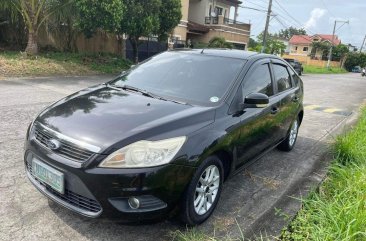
x=193 y=78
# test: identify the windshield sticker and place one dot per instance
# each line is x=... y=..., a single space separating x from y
x=214 y=99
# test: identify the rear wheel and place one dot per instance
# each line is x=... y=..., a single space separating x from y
x=203 y=192
x=289 y=143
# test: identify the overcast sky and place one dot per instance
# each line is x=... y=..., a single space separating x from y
x=316 y=16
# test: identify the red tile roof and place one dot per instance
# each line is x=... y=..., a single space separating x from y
x=329 y=38
x=306 y=39
x=300 y=39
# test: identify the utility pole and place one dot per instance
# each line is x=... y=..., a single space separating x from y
x=363 y=43
x=332 y=43
x=266 y=28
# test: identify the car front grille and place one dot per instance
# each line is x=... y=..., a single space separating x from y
x=68 y=150
x=70 y=197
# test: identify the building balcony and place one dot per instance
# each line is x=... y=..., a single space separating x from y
x=220 y=22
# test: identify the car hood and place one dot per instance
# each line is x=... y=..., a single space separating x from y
x=111 y=118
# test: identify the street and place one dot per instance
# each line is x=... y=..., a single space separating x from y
x=260 y=200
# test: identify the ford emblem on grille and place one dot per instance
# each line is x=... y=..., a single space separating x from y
x=53 y=144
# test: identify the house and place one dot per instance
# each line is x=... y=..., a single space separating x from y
x=351 y=48
x=301 y=45
x=204 y=19
x=285 y=42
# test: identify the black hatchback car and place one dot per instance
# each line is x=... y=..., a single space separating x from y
x=164 y=136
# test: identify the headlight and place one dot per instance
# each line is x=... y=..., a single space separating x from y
x=144 y=154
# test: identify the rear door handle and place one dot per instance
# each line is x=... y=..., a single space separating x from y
x=274 y=110
x=295 y=99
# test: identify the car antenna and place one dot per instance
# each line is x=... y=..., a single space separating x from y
x=202 y=50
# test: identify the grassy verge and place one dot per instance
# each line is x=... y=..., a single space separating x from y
x=337 y=210
x=17 y=64
x=320 y=70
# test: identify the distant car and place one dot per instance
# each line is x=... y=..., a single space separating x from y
x=165 y=134
x=296 y=65
x=357 y=69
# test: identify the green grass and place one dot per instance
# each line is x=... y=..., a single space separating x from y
x=337 y=210
x=55 y=63
x=321 y=70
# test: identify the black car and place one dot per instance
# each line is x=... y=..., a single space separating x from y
x=164 y=136
x=296 y=65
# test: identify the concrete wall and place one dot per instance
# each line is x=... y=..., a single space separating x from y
x=198 y=10
x=313 y=62
x=299 y=50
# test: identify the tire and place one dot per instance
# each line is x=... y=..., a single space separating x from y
x=290 y=141
x=196 y=205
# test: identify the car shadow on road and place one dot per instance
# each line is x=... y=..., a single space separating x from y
x=258 y=195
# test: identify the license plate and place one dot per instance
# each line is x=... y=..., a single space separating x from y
x=48 y=175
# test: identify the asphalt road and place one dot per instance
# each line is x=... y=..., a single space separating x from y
x=260 y=200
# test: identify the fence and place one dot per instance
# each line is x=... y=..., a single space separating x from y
x=313 y=62
x=147 y=49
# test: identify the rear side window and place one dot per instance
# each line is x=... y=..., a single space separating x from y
x=282 y=77
x=259 y=81
x=295 y=77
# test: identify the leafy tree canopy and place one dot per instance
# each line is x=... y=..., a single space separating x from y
x=170 y=16
x=289 y=32
x=99 y=14
x=273 y=45
x=219 y=42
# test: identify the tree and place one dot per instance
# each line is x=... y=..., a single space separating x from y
x=252 y=43
x=289 y=32
x=99 y=14
x=170 y=16
x=62 y=25
x=219 y=42
x=274 y=46
x=355 y=59
x=141 y=19
x=34 y=13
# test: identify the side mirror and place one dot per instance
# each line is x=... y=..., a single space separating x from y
x=256 y=100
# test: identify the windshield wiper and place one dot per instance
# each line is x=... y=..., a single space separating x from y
x=146 y=93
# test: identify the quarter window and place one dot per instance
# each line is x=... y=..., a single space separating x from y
x=295 y=77
x=259 y=81
x=282 y=77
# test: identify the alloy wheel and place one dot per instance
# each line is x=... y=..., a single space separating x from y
x=206 y=190
x=293 y=133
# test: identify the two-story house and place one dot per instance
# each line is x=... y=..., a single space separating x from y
x=204 y=19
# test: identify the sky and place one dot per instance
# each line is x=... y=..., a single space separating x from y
x=316 y=16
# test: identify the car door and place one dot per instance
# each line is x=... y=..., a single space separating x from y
x=258 y=126
x=288 y=93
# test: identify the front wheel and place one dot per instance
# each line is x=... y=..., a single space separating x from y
x=203 y=192
x=289 y=143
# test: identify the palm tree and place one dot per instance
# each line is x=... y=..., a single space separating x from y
x=34 y=13
x=219 y=42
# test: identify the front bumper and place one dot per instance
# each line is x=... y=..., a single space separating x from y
x=103 y=193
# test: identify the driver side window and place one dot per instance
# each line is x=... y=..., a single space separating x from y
x=258 y=81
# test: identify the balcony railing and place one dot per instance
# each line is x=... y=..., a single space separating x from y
x=225 y=21
x=232 y=21
x=212 y=20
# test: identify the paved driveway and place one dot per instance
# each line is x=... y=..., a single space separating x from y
x=260 y=199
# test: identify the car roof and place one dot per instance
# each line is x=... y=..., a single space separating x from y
x=228 y=53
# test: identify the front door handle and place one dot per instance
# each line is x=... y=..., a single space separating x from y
x=274 y=110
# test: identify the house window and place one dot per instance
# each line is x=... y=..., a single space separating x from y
x=305 y=49
x=296 y=48
x=218 y=11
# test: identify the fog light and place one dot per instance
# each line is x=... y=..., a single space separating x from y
x=134 y=203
